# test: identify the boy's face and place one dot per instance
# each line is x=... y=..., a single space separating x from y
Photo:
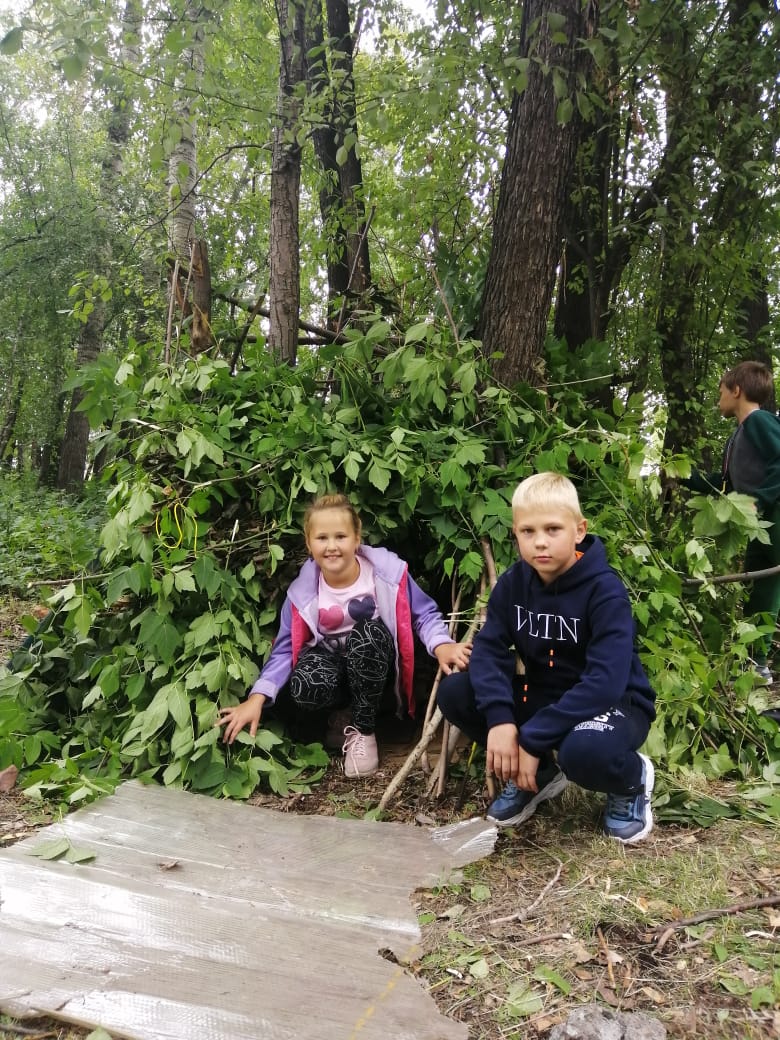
x=548 y=540
x=333 y=544
x=727 y=401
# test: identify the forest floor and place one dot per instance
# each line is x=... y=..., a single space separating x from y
x=684 y=927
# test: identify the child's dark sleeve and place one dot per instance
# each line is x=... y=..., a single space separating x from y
x=703 y=483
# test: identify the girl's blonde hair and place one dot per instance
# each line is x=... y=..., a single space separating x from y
x=332 y=502
x=546 y=491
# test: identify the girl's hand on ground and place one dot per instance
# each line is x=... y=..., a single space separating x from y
x=247 y=713
x=453 y=656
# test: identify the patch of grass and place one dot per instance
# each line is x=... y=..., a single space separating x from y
x=45 y=534
x=561 y=916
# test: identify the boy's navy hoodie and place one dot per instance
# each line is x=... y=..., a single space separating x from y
x=575 y=638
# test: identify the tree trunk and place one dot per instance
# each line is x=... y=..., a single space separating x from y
x=14 y=404
x=284 y=281
x=190 y=261
x=75 y=441
x=335 y=143
x=733 y=208
x=350 y=169
x=542 y=138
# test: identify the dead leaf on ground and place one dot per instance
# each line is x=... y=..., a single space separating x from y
x=8 y=779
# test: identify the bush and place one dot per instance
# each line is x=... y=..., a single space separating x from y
x=203 y=536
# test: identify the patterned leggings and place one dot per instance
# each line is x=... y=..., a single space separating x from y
x=355 y=678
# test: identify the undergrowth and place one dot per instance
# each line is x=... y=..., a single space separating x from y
x=45 y=533
x=212 y=472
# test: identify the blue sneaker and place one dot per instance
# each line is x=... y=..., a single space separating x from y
x=515 y=806
x=629 y=817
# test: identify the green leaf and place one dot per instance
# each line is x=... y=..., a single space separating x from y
x=417 y=333
x=50 y=849
x=379 y=476
x=12 y=41
x=79 y=855
x=521 y=1001
x=479 y=969
x=183 y=579
x=564 y=111
x=542 y=973
x=208 y=576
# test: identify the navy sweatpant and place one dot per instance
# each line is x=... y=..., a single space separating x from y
x=599 y=754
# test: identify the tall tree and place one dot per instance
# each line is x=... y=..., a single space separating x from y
x=284 y=285
x=75 y=441
x=542 y=138
x=332 y=82
x=190 y=276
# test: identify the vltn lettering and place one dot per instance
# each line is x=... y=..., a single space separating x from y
x=547 y=626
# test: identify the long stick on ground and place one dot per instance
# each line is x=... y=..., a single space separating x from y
x=709 y=915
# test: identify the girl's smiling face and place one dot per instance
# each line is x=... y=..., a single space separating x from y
x=333 y=543
x=548 y=540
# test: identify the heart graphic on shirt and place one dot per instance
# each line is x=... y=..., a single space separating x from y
x=329 y=620
x=361 y=607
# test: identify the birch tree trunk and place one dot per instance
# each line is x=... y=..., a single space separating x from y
x=75 y=441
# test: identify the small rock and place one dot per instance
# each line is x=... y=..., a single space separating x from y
x=592 y=1022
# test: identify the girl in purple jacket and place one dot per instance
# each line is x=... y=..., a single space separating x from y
x=347 y=626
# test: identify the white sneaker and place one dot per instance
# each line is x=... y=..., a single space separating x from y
x=361 y=754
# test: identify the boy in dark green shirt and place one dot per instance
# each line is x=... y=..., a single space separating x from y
x=751 y=465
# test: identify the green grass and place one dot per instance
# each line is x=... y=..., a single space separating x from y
x=45 y=534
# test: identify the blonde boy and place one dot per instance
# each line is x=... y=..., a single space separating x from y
x=584 y=696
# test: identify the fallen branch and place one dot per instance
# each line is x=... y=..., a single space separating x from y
x=532 y=940
x=666 y=930
x=522 y=915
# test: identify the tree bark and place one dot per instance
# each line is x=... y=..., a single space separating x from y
x=540 y=153
x=9 y=422
x=284 y=280
x=75 y=441
x=189 y=273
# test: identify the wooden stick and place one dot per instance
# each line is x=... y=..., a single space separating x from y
x=444 y=758
x=709 y=915
x=439 y=776
x=411 y=761
x=490 y=563
x=521 y=915
x=432 y=696
x=429 y=729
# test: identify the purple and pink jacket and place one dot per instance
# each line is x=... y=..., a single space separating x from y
x=401 y=604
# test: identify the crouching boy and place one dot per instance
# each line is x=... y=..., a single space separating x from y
x=584 y=696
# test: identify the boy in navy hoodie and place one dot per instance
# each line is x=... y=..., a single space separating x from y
x=583 y=694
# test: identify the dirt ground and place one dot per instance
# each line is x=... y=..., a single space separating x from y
x=558 y=916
